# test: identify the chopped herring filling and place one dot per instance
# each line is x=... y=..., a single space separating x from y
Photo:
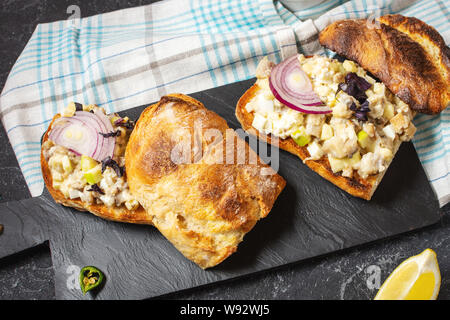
x=362 y=132
x=80 y=177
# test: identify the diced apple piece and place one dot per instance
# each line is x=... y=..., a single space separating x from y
x=69 y=111
x=364 y=140
x=388 y=111
x=409 y=132
x=67 y=164
x=327 y=132
x=315 y=151
x=349 y=66
x=338 y=165
x=308 y=67
x=399 y=122
x=389 y=131
x=301 y=137
x=87 y=163
x=386 y=153
x=93 y=175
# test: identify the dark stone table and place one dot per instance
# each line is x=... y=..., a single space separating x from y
x=349 y=274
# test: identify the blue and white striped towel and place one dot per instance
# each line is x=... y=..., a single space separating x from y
x=131 y=57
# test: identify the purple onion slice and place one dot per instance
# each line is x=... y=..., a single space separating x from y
x=291 y=86
x=82 y=134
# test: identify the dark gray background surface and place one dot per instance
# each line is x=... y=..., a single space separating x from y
x=347 y=275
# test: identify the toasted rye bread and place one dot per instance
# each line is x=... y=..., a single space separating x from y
x=120 y=214
x=356 y=186
x=407 y=55
x=204 y=207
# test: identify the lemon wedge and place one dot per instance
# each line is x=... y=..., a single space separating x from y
x=416 y=278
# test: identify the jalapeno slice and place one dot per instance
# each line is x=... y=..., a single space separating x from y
x=90 y=278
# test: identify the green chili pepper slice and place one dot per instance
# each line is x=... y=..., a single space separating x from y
x=90 y=278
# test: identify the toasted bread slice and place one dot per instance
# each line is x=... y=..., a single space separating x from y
x=407 y=55
x=356 y=185
x=204 y=206
x=120 y=214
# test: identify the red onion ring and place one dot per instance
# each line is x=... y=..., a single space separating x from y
x=300 y=98
x=93 y=143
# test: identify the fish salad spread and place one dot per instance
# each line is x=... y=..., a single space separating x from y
x=86 y=166
x=363 y=130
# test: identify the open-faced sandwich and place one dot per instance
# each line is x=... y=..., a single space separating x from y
x=342 y=122
x=82 y=160
x=185 y=166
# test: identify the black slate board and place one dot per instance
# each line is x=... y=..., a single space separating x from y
x=311 y=217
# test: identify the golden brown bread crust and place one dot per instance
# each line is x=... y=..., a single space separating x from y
x=407 y=55
x=356 y=186
x=202 y=206
x=120 y=214
x=426 y=36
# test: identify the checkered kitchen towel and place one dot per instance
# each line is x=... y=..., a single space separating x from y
x=131 y=57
